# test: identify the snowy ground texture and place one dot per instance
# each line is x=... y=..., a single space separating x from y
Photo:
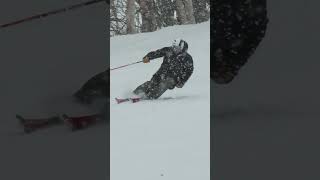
x=266 y=123
x=165 y=138
x=42 y=63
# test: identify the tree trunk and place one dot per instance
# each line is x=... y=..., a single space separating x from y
x=181 y=13
x=130 y=14
x=149 y=22
x=166 y=9
x=201 y=13
x=189 y=11
x=113 y=14
x=185 y=12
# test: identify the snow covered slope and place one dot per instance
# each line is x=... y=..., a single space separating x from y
x=42 y=63
x=266 y=123
x=165 y=136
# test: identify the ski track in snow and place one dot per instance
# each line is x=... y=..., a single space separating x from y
x=165 y=136
x=43 y=63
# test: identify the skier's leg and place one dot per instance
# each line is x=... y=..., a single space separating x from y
x=142 y=88
x=156 y=91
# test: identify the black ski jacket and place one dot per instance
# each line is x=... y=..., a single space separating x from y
x=176 y=66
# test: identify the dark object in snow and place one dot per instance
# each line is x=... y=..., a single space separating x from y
x=80 y=122
x=95 y=88
x=32 y=124
x=75 y=123
x=133 y=100
x=238 y=26
x=122 y=100
x=175 y=70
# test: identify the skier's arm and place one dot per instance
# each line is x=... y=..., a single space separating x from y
x=158 y=53
x=188 y=70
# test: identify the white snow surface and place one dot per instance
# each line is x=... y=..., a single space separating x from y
x=168 y=138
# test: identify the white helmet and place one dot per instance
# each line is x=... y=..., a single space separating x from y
x=179 y=45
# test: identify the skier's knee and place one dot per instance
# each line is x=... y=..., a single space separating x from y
x=170 y=83
x=142 y=88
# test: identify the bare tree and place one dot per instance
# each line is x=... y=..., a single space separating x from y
x=130 y=15
x=185 y=11
x=189 y=11
x=135 y=16
x=118 y=23
x=147 y=9
x=201 y=10
x=165 y=13
x=181 y=13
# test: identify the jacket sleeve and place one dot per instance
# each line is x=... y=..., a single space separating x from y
x=187 y=69
x=158 y=53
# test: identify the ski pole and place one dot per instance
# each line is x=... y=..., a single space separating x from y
x=126 y=65
x=57 y=11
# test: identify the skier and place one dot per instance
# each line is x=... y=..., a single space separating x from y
x=175 y=70
x=95 y=88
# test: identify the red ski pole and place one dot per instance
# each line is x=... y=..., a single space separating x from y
x=57 y=11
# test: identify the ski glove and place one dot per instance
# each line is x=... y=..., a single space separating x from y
x=179 y=85
x=146 y=59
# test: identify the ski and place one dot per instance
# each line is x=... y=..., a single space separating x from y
x=138 y=99
x=133 y=100
x=80 y=122
x=32 y=124
x=119 y=100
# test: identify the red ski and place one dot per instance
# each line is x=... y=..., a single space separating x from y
x=33 y=124
x=133 y=100
x=80 y=122
x=122 y=100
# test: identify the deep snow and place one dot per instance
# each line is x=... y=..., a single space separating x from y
x=165 y=136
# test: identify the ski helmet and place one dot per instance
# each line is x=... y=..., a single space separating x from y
x=179 y=45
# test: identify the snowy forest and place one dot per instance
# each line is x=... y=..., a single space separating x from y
x=137 y=16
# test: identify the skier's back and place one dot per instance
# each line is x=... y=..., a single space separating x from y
x=175 y=70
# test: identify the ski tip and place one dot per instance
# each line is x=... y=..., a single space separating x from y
x=118 y=100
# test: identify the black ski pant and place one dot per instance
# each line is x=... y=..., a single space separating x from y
x=154 y=88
